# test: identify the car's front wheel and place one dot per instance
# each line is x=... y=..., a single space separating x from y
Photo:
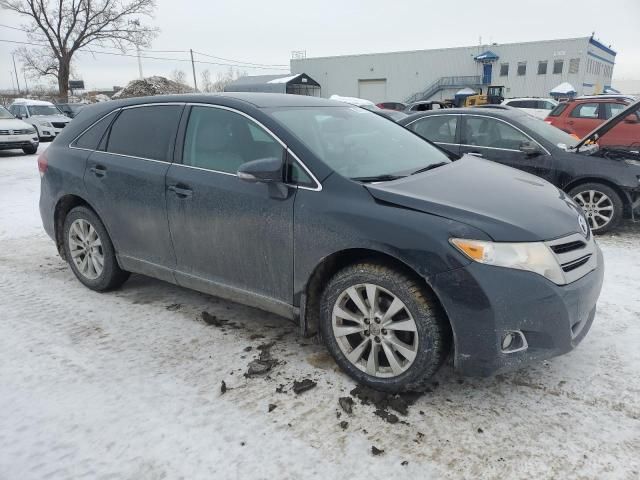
x=89 y=251
x=383 y=328
x=30 y=150
x=602 y=205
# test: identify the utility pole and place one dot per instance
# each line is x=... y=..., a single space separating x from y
x=13 y=84
x=15 y=70
x=193 y=67
x=139 y=62
x=26 y=87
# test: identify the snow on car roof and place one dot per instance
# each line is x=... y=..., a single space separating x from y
x=351 y=100
x=28 y=101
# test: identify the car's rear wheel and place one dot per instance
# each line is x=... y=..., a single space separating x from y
x=602 y=205
x=383 y=328
x=89 y=251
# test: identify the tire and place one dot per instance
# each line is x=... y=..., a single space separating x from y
x=84 y=221
x=599 y=200
x=428 y=343
x=30 y=150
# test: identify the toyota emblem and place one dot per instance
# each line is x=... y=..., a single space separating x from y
x=583 y=225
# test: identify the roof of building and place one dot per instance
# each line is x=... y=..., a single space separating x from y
x=269 y=83
x=488 y=55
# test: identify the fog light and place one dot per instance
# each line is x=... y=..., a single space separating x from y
x=513 y=341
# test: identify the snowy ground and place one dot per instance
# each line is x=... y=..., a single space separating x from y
x=128 y=385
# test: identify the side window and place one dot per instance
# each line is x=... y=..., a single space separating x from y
x=92 y=137
x=221 y=140
x=586 y=110
x=145 y=132
x=297 y=175
x=488 y=132
x=558 y=109
x=614 y=109
x=437 y=129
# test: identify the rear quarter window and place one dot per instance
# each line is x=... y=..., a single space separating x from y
x=91 y=138
x=557 y=111
x=145 y=132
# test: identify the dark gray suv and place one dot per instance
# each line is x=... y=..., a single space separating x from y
x=397 y=252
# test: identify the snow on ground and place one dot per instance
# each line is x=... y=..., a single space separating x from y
x=127 y=385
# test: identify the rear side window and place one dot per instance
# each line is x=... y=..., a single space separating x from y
x=586 y=110
x=437 y=129
x=91 y=138
x=557 y=111
x=145 y=132
x=614 y=109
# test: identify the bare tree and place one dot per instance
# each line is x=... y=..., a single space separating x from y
x=179 y=76
x=64 y=27
x=222 y=79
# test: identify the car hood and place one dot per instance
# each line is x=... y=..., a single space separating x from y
x=14 y=124
x=609 y=124
x=507 y=204
x=52 y=118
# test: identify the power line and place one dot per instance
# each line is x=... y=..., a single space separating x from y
x=239 y=62
x=147 y=57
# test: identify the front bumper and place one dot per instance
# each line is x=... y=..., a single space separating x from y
x=485 y=302
x=12 y=142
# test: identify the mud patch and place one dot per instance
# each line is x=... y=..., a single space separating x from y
x=303 y=385
x=264 y=363
x=321 y=360
x=218 y=322
x=346 y=403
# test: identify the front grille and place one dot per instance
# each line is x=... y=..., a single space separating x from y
x=14 y=132
x=59 y=124
x=567 y=247
x=575 y=254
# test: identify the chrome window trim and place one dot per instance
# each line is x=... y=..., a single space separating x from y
x=484 y=116
x=318 y=186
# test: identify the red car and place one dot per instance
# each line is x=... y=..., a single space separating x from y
x=582 y=115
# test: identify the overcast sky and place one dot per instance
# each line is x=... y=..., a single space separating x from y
x=266 y=32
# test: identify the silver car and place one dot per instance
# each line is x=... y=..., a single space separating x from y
x=44 y=116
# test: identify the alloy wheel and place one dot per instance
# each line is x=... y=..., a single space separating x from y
x=598 y=208
x=86 y=250
x=375 y=330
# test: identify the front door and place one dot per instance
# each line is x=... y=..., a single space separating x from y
x=487 y=69
x=126 y=185
x=228 y=233
x=499 y=141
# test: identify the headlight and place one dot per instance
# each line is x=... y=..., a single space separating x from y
x=44 y=123
x=534 y=257
x=631 y=161
x=31 y=131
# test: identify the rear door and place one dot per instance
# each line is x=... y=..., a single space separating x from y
x=500 y=141
x=584 y=118
x=440 y=129
x=626 y=133
x=126 y=184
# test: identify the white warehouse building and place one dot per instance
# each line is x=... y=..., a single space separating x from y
x=525 y=69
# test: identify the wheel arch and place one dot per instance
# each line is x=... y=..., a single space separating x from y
x=331 y=264
x=64 y=205
x=626 y=201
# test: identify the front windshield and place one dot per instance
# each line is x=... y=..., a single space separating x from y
x=4 y=113
x=550 y=133
x=43 y=110
x=357 y=143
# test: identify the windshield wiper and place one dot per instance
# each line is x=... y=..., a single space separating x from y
x=378 y=178
x=430 y=167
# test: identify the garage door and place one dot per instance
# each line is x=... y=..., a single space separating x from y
x=373 y=90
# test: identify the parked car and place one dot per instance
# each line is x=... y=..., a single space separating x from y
x=582 y=115
x=70 y=109
x=369 y=105
x=538 y=107
x=44 y=116
x=608 y=180
x=330 y=215
x=392 y=106
x=16 y=134
x=425 y=105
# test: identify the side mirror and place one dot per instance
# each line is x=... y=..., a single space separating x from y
x=530 y=149
x=262 y=170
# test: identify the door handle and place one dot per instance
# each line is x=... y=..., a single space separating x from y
x=98 y=171
x=180 y=191
x=475 y=154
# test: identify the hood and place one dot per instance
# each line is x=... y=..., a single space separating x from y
x=52 y=118
x=609 y=124
x=505 y=203
x=14 y=124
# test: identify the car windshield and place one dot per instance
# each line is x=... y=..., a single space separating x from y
x=359 y=144
x=43 y=110
x=4 y=113
x=549 y=132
